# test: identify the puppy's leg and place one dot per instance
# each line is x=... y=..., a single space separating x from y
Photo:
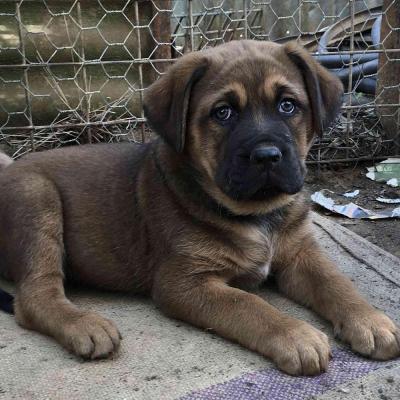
x=309 y=277
x=34 y=252
x=208 y=302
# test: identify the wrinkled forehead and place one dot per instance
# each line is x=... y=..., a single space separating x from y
x=254 y=78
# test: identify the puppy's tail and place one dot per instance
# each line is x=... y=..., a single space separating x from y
x=5 y=161
x=6 y=302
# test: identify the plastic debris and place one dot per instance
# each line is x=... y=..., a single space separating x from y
x=351 y=194
x=386 y=171
x=389 y=197
x=388 y=201
x=351 y=210
x=394 y=182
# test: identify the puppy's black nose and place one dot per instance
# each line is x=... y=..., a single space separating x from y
x=266 y=155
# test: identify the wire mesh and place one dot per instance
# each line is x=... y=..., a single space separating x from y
x=74 y=71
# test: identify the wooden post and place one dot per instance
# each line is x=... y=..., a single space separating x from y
x=387 y=90
x=161 y=29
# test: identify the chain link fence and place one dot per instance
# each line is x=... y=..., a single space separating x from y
x=74 y=71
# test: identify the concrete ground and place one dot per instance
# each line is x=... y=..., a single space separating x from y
x=161 y=358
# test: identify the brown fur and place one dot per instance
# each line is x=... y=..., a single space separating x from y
x=151 y=219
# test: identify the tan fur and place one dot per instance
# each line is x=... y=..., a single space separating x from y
x=5 y=161
x=240 y=91
x=272 y=83
x=151 y=219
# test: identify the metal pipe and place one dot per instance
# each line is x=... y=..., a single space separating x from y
x=376 y=31
x=368 y=68
x=366 y=85
x=336 y=61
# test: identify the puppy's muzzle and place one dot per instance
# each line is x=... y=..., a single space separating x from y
x=268 y=156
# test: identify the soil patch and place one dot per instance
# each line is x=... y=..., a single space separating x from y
x=385 y=233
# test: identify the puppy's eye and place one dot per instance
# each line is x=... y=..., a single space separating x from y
x=223 y=113
x=287 y=107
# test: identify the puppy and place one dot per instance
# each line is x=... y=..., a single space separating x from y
x=214 y=203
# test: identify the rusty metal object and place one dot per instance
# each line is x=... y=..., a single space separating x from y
x=336 y=32
x=342 y=29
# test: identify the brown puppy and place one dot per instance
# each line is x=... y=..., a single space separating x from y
x=188 y=219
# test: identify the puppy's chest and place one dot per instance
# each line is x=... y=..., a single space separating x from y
x=257 y=246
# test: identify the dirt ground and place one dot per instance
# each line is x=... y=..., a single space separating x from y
x=385 y=233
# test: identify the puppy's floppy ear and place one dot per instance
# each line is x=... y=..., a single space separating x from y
x=166 y=101
x=324 y=89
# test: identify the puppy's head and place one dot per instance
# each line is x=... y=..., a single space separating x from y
x=245 y=114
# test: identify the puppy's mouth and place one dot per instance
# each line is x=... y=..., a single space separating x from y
x=261 y=189
x=262 y=174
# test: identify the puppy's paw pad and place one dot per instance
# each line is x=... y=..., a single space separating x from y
x=91 y=336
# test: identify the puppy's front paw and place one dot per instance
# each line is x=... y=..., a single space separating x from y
x=371 y=334
x=90 y=336
x=300 y=349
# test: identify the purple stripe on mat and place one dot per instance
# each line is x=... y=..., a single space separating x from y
x=271 y=384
